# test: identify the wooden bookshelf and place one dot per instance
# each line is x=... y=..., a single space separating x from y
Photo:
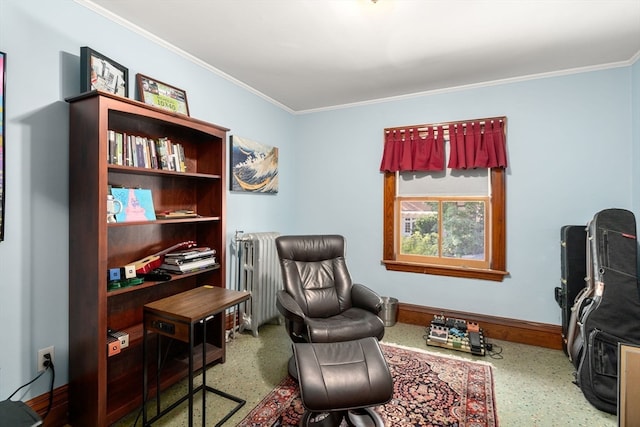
x=103 y=389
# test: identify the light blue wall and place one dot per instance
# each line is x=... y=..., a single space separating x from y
x=329 y=179
x=635 y=135
x=42 y=39
x=569 y=156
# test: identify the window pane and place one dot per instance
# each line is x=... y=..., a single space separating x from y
x=422 y=238
x=463 y=230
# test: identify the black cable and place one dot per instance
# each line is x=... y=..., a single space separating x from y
x=29 y=383
x=49 y=365
x=495 y=352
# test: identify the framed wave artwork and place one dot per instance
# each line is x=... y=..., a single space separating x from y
x=254 y=166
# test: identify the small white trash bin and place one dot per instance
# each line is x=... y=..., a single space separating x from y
x=389 y=311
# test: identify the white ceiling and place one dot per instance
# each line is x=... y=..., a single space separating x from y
x=314 y=54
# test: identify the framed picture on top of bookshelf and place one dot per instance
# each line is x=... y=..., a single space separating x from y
x=101 y=73
x=162 y=95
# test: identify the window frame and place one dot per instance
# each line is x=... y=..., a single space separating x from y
x=497 y=248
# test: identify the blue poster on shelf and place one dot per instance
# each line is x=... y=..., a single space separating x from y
x=137 y=204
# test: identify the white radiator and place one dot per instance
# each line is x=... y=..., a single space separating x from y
x=258 y=271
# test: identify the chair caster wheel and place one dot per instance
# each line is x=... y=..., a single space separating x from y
x=321 y=419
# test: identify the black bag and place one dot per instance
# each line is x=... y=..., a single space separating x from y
x=573 y=263
x=610 y=314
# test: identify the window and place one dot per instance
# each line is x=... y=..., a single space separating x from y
x=449 y=222
x=448 y=231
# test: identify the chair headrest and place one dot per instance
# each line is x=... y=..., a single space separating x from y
x=310 y=248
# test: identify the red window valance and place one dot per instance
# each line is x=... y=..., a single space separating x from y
x=473 y=144
x=410 y=149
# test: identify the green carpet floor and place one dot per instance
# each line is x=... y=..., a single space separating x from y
x=533 y=385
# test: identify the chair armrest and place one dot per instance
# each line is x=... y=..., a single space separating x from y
x=363 y=297
x=289 y=308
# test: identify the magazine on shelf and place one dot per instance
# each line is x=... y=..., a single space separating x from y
x=181 y=261
x=191 y=253
x=190 y=266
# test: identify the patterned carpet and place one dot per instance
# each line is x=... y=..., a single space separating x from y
x=429 y=390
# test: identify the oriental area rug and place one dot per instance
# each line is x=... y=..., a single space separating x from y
x=429 y=390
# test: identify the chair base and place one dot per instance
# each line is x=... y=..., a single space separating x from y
x=292 y=368
x=321 y=419
x=365 y=417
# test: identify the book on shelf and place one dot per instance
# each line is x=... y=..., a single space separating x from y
x=115 y=155
x=126 y=150
x=143 y=152
x=191 y=253
x=189 y=266
x=170 y=155
x=111 y=139
x=138 y=148
x=119 y=148
x=179 y=213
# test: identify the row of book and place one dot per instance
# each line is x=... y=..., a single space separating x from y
x=143 y=152
x=189 y=260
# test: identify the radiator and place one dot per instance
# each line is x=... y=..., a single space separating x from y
x=258 y=271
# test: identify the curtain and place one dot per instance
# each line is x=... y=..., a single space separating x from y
x=476 y=146
x=413 y=150
x=471 y=145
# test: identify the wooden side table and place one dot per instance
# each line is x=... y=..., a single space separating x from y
x=176 y=317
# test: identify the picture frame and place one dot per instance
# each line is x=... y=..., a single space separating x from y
x=3 y=87
x=253 y=166
x=162 y=95
x=98 y=72
x=137 y=204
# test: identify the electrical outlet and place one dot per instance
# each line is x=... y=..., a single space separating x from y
x=40 y=366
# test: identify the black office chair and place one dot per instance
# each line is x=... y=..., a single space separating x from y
x=319 y=302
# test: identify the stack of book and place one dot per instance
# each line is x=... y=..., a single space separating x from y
x=189 y=260
x=142 y=152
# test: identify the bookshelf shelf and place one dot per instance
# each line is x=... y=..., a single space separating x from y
x=149 y=171
x=148 y=284
x=166 y=221
x=103 y=389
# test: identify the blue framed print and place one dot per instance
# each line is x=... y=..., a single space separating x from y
x=137 y=204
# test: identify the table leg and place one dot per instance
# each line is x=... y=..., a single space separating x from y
x=158 y=364
x=144 y=376
x=204 y=369
x=191 y=375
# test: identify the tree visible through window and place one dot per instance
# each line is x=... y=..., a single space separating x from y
x=444 y=231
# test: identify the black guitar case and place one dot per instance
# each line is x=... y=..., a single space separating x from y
x=573 y=269
x=611 y=314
